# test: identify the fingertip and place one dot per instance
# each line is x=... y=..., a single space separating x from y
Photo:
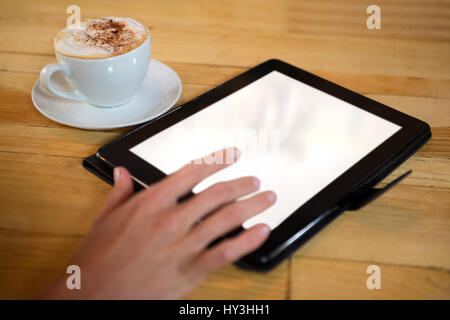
x=117 y=175
x=257 y=235
x=256 y=182
x=123 y=189
x=271 y=196
x=263 y=230
x=120 y=175
x=237 y=152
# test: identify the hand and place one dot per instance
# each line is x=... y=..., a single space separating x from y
x=150 y=246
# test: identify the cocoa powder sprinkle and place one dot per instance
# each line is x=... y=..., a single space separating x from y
x=112 y=36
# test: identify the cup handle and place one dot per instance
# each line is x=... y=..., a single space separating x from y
x=46 y=82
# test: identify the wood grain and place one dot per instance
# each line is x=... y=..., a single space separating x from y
x=336 y=279
x=48 y=201
x=244 y=285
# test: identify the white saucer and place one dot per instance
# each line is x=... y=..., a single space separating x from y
x=159 y=92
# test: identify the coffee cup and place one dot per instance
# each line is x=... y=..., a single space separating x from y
x=103 y=81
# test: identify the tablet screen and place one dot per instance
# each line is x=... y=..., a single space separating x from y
x=295 y=138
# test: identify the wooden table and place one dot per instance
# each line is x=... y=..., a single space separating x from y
x=48 y=201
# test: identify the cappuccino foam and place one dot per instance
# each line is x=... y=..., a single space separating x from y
x=101 y=38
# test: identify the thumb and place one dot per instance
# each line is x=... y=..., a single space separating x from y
x=123 y=190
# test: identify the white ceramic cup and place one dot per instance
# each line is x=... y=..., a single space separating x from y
x=104 y=82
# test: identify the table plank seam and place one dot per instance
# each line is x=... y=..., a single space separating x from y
x=44 y=154
x=365 y=93
x=370 y=262
x=289 y=279
x=28 y=53
x=37 y=233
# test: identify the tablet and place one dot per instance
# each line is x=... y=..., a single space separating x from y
x=316 y=144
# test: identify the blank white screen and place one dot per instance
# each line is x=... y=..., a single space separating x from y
x=317 y=137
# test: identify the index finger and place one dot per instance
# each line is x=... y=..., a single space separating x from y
x=185 y=179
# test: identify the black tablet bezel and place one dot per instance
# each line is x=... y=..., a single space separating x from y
x=117 y=153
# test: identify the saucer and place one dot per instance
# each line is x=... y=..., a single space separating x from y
x=159 y=92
